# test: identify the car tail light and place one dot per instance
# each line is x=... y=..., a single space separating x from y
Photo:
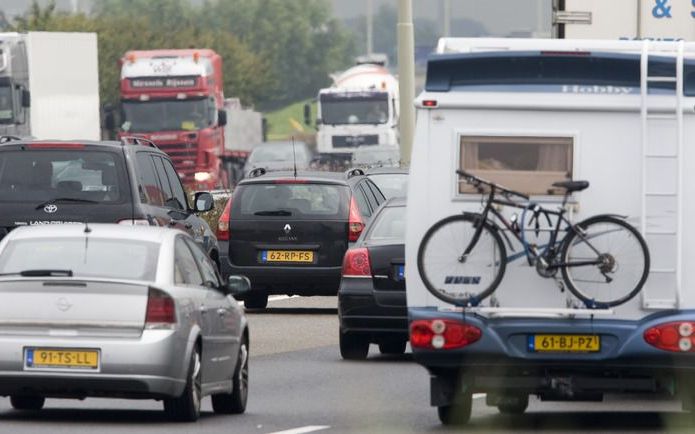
x=161 y=309
x=355 y=223
x=442 y=334
x=134 y=222
x=223 y=222
x=356 y=263
x=674 y=336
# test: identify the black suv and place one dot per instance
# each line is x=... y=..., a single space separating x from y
x=129 y=182
x=288 y=233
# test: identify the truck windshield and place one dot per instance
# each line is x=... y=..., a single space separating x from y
x=6 y=105
x=167 y=115
x=363 y=108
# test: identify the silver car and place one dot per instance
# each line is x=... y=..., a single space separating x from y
x=118 y=311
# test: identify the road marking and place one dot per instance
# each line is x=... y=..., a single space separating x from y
x=281 y=297
x=478 y=395
x=302 y=430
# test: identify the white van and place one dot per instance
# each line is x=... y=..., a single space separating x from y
x=526 y=114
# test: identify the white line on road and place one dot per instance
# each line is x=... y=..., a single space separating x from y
x=478 y=395
x=281 y=297
x=304 y=429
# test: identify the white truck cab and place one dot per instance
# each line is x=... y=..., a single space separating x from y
x=525 y=114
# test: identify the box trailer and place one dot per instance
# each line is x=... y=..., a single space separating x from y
x=528 y=113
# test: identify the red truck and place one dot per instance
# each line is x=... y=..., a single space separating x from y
x=175 y=99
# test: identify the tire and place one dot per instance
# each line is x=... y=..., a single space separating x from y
x=235 y=402
x=353 y=346
x=588 y=283
x=186 y=408
x=392 y=347
x=31 y=403
x=515 y=405
x=487 y=260
x=458 y=413
x=256 y=300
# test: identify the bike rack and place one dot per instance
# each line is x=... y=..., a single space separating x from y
x=538 y=312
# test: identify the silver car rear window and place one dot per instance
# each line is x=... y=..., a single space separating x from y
x=94 y=257
x=389 y=225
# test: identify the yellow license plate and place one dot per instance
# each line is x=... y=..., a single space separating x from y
x=565 y=343
x=287 y=256
x=61 y=358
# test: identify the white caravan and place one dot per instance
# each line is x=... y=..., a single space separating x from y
x=49 y=85
x=360 y=109
x=528 y=113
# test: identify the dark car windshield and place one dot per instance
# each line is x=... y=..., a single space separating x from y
x=291 y=201
x=6 y=115
x=167 y=115
x=360 y=109
x=389 y=225
x=107 y=258
x=42 y=175
x=391 y=184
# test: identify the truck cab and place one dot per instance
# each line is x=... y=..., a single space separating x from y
x=175 y=98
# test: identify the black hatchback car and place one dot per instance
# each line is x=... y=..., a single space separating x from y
x=371 y=299
x=129 y=182
x=288 y=233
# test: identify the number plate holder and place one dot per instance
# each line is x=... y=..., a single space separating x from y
x=564 y=343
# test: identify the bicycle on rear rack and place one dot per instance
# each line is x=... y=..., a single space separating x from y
x=603 y=260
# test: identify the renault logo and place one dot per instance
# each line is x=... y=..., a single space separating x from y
x=63 y=304
x=287 y=228
x=50 y=208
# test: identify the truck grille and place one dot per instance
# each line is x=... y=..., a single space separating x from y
x=355 y=141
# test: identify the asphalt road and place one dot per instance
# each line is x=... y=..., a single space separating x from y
x=298 y=382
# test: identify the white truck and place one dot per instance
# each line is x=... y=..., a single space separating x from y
x=360 y=109
x=528 y=113
x=244 y=129
x=49 y=85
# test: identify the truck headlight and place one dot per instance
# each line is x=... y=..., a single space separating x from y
x=202 y=176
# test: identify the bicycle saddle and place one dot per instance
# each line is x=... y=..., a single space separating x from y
x=571 y=186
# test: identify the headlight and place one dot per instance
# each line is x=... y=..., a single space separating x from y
x=202 y=176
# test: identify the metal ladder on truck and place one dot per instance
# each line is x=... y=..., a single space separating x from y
x=662 y=180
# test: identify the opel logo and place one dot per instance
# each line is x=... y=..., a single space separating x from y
x=63 y=304
x=50 y=208
x=287 y=228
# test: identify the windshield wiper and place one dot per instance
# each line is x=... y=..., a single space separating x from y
x=41 y=273
x=279 y=213
x=64 y=199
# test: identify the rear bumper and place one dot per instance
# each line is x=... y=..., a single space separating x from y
x=362 y=309
x=502 y=362
x=150 y=366
x=297 y=280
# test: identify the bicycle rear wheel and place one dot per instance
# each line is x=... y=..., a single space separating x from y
x=623 y=256
x=449 y=276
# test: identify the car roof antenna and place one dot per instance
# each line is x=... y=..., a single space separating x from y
x=294 y=158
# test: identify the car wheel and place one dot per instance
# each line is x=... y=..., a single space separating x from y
x=256 y=300
x=458 y=413
x=353 y=346
x=392 y=347
x=235 y=402
x=27 y=402
x=514 y=405
x=186 y=408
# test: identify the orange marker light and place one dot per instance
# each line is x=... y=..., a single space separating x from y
x=196 y=57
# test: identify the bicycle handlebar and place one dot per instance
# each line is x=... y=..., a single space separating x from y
x=476 y=181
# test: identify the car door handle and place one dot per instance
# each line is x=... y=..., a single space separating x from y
x=222 y=312
x=203 y=310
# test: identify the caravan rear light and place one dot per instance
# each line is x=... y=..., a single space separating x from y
x=430 y=103
x=355 y=222
x=223 y=222
x=161 y=310
x=673 y=336
x=442 y=334
x=356 y=263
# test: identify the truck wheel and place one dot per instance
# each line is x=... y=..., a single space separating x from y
x=235 y=402
x=34 y=403
x=459 y=412
x=256 y=300
x=514 y=405
x=186 y=408
x=392 y=347
x=353 y=346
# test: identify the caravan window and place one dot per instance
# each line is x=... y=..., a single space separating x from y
x=526 y=164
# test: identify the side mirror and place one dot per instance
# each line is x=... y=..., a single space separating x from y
x=203 y=202
x=221 y=118
x=26 y=98
x=307 y=114
x=238 y=286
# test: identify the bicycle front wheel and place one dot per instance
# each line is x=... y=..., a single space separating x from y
x=454 y=276
x=606 y=261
